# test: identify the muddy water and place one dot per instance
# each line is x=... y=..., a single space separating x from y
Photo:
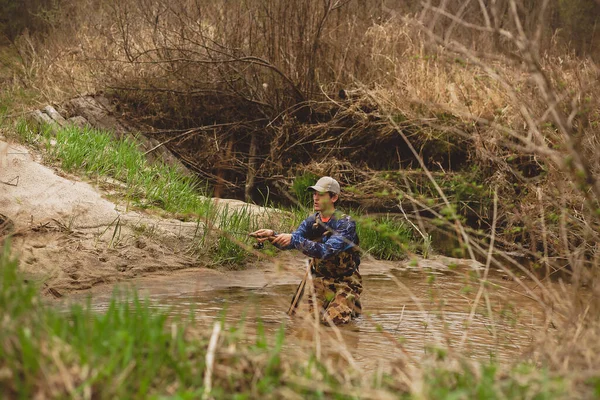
x=407 y=310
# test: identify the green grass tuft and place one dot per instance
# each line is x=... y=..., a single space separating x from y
x=232 y=244
x=385 y=237
x=99 y=154
x=300 y=186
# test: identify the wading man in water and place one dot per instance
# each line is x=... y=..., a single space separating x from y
x=329 y=238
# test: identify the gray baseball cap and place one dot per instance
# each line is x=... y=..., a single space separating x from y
x=326 y=184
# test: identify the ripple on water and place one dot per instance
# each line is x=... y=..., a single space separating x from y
x=418 y=314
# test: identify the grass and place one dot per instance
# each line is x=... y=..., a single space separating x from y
x=135 y=351
x=97 y=153
x=124 y=353
x=385 y=237
x=300 y=186
x=233 y=247
x=484 y=381
x=13 y=95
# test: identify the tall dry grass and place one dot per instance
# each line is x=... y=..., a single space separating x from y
x=272 y=55
x=527 y=103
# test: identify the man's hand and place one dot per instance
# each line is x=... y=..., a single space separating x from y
x=282 y=240
x=263 y=235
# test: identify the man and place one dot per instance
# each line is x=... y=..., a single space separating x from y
x=330 y=239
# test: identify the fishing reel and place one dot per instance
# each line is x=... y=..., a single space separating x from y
x=259 y=245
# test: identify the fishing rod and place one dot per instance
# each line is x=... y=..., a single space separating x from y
x=299 y=292
x=256 y=246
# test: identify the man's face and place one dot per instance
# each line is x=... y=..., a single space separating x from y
x=323 y=201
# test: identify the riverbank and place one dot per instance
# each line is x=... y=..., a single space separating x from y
x=69 y=234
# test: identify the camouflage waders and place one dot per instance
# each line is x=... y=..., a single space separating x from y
x=338 y=285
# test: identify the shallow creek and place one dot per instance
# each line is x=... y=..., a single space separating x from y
x=407 y=309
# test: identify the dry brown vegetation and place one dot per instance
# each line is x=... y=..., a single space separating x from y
x=460 y=109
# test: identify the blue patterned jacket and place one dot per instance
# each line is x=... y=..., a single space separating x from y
x=332 y=241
